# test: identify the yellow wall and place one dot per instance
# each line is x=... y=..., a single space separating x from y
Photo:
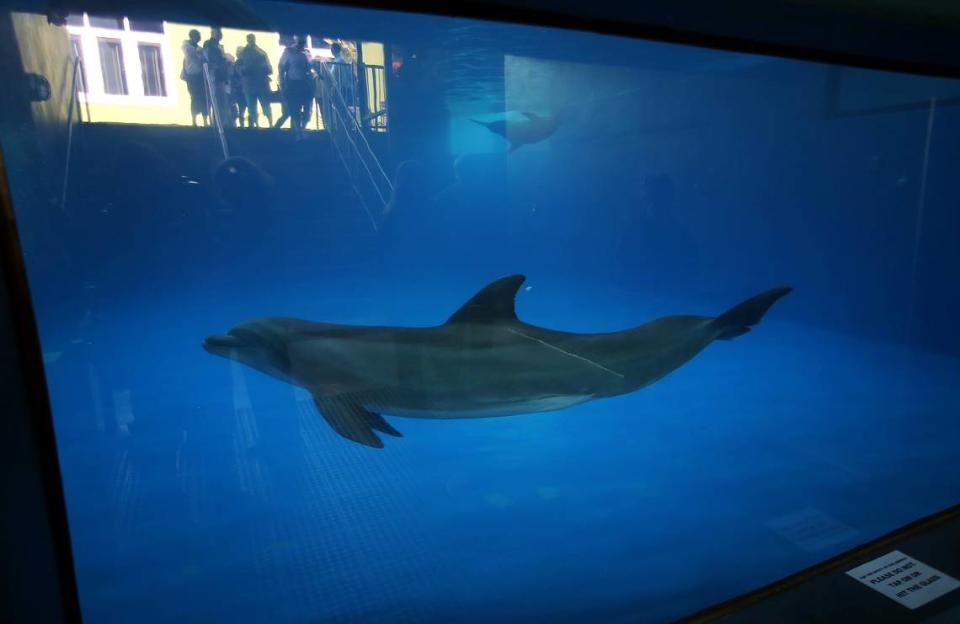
x=176 y=111
x=35 y=133
x=45 y=50
x=372 y=52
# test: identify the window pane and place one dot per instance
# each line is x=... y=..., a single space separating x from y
x=115 y=23
x=151 y=67
x=75 y=19
x=77 y=48
x=146 y=25
x=111 y=64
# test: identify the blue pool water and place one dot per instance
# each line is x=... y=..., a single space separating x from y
x=680 y=181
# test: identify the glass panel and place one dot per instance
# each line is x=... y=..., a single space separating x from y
x=75 y=19
x=111 y=64
x=562 y=273
x=146 y=25
x=114 y=23
x=77 y=48
x=151 y=67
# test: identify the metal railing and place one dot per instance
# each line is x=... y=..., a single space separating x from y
x=78 y=77
x=341 y=118
x=375 y=81
x=213 y=104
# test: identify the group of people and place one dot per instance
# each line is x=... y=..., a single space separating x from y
x=239 y=84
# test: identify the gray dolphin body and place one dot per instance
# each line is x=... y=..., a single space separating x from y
x=482 y=362
x=519 y=132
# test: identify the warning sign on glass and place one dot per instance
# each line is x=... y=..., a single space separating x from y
x=904 y=579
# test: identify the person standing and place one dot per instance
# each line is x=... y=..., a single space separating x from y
x=238 y=100
x=340 y=72
x=192 y=74
x=216 y=62
x=255 y=71
x=296 y=85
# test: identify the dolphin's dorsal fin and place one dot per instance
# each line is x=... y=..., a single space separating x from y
x=494 y=302
x=531 y=116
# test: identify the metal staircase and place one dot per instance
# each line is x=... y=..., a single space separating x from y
x=341 y=113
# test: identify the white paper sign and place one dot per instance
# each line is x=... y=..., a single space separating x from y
x=904 y=579
x=812 y=530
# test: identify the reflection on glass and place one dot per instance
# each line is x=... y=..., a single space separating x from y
x=140 y=25
x=151 y=65
x=115 y=23
x=497 y=333
x=111 y=66
x=77 y=49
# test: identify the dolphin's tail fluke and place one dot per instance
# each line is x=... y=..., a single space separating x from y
x=740 y=318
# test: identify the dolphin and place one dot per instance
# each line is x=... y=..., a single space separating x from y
x=520 y=132
x=483 y=361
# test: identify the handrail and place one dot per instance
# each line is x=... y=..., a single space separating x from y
x=353 y=185
x=213 y=104
x=355 y=126
x=74 y=96
x=366 y=167
x=375 y=87
x=353 y=182
x=355 y=152
x=364 y=139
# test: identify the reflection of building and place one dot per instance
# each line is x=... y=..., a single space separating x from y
x=132 y=67
x=124 y=60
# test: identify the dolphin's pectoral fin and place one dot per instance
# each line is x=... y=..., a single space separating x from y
x=380 y=423
x=353 y=421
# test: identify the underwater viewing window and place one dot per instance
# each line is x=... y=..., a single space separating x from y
x=356 y=315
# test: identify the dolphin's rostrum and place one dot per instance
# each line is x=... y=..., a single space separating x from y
x=482 y=362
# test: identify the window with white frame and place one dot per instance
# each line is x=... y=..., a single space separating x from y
x=125 y=61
